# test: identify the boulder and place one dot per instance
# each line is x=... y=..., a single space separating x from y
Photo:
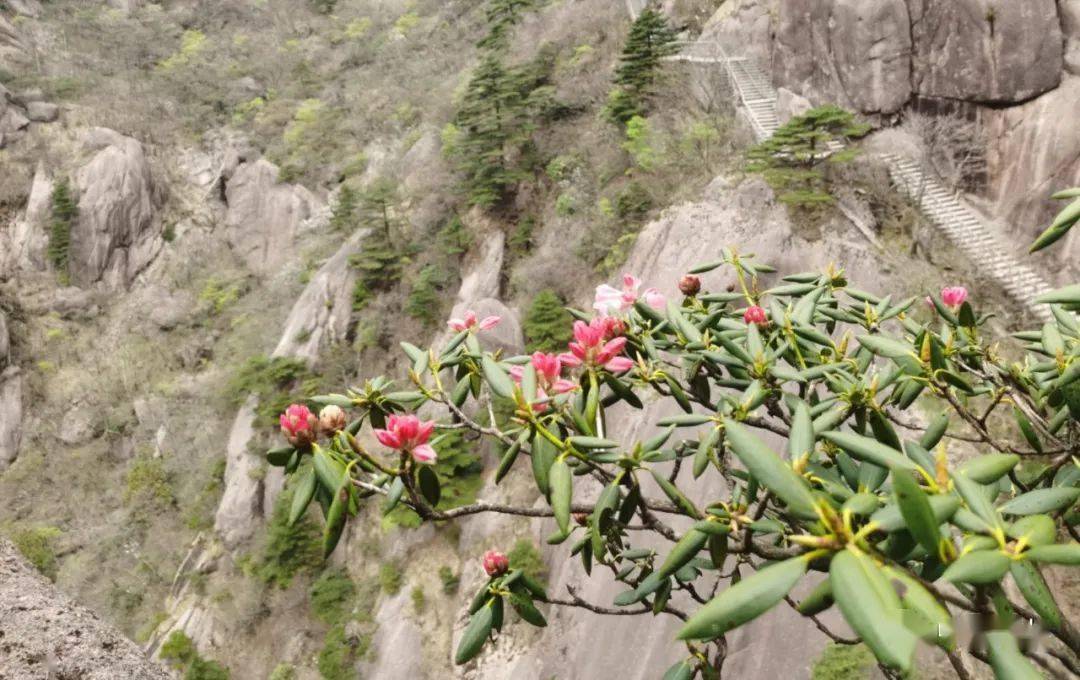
x=13 y=118
x=42 y=112
x=1070 y=26
x=744 y=28
x=264 y=215
x=856 y=53
x=984 y=51
x=78 y=426
x=5 y=341
x=789 y=104
x=118 y=230
x=23 y=244
x=46 y=635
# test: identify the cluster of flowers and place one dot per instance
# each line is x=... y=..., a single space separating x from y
x=598 y=344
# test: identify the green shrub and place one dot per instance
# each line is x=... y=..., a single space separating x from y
x=526 y=557
x=640 y=143
x=843 y=662
x=453 y=239
x=218 y=294
x=36 y=545
x=418 y=600
x=423 y=301
x=64 y=213
x=565 y=205
x=547 y=324
x=332 y=596
x=283 y=671
x=343 y=216
x=204 y=669
x=339 y=654
x=148 y=484
x=450 y=580
x=390 y=578
x=273 y=380
x=289 y=549
x=178 y=650
x=521 y=238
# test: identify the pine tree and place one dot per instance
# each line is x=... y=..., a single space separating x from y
x=378 y=265
x=423 y=302
x=547 y=324
x=64 y=214
x=651 y=39
x=792 y=159
x=343 y=217
x=502 y=15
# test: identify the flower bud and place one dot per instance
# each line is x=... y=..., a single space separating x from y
x=689 y=285
x=332 y=419
x=495 y=563
x=954 y=296
x=298 y=425
x=755 y=315
x=581 y=518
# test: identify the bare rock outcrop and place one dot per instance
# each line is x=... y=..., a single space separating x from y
x=854 y=52
x=46 y=635
x=977 y=50
x=24 y=242
x=118 y=231
x=264 y=215
x=10 y=400
x=13 y=118
x=12 y=50
x=27 y=8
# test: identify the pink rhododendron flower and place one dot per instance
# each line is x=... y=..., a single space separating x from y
x=495 y=563
x=298 y=424
x=610 y=301
x=549 y=378
x=953 y=296
x=470 y=322
x=409 y=434
x=592 y=347
x=755 y=315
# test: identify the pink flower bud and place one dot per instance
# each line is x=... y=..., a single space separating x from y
x=495 y=563
x=953 y=296
x=755 y=315
x=332 y=419
x=689 y=285
x=298 y=425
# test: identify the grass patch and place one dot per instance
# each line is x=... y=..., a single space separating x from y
x=36 y=545
x=843 y=662
x=148 y=485
x=525 y=556
x=273 y=380
x=337 y=602
x=390 y=578
x=289 y=549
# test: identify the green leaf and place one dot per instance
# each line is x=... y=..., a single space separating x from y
x=682 y=670
x=801 y=439
x=393 y=494
x=978 y=567
x=1033 y=586
x=302 y=495
x=770 y=470
x=508 y=458
x=592 y=443
x=684 y=420
x=525 y=608
x=683 y=551
x=916 y=510
x=562 y=490
x=328 y=469
x=543 y=455
x=819 y=599
x=496 y=377
x=1034 y=530
x=1066 y=553
x=744 y=601
x=280 y=456
x=429 y=485
x=1069 y=295
x=1041 y=500
x=990 y=467
x=886 y=347
x=935 y=431
x=476 y=633
x=875 y=617
x=890 y=519
x=1007 y=660
x=976 y=500
x=923 y=614
x=335 y=520
x=870 y=450
x=677 y=497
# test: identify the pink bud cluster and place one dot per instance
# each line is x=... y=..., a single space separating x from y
x=495 y=563
x=549 y=380
x=301 y=428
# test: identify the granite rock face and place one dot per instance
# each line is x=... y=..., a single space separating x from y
x=46 y=635
x=118 y=230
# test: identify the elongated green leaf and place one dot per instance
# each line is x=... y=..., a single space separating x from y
x=1033 y=586
x=890 y=519
x=886 y=347
x=770 y=470
x=923 y=614
x=393 y=494
x=429 y=485
x=688 y=420
x=525 y=608
x=935 y=431
x=496 y=378
x=915 y=508
x=990 y=467
x=682 y=670
x=819 y=599
x=543 y=455
x=329 y=470
x=683 y=551
x=1069 y=295
x=877 y=620
x=1066 y=553
x=978 y=567
x=1007 y=660
x=335 y=520
x=302 y=495
x=476 y=633
x=507 y=461
x=592 y=443
x=562 y=490
x=280 y=456
x=870 y=450
x=976 y=500
x=744 y=601
x=677 y=497
x=1042 y=500
x=1034 y=530
x=801 y=439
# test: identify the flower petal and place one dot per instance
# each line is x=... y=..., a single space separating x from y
x=388 y=439
x=489 y=322
x=619 y=364
x=424 y=454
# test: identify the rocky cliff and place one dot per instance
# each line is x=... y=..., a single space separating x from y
x=1012 y=66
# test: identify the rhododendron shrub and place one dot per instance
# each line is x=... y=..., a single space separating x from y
x=897 y=460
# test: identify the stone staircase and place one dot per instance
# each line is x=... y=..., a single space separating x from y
x=962 y=225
